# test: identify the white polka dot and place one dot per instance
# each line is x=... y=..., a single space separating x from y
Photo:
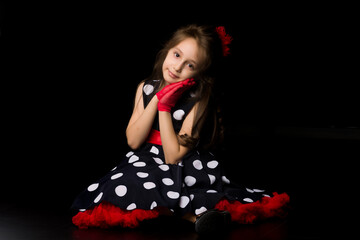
x=212 y=178
x=158 y=160
x=142 y=175
x=189 y=181
x=211 y=191
x=154 y=150
x=225 y=180
x=258 y=190
x=93 y=187
x=197 y=165
x=129 y=154
x=167 y=181
x=121 y=190
x=212 y=164
x=113 y=169
x=265 y=195
x=148 y=89
x=131 y=207
x=192 y=197
x=200 y=210
x=97 y=199
x=149 y=185
x=82 y=210
x=133 y=158
x=184 y=201
x=115 y=176
x=139 y=164
x=248 y=200
x=173 y=195
x=153 y=205
x=249 y=190
x=179 y=114
x=164 y=167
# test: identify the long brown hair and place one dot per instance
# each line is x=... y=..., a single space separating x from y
x=206 y=131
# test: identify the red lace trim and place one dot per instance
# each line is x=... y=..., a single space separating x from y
x=267 y=207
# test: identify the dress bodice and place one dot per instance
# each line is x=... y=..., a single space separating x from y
x=178 y=113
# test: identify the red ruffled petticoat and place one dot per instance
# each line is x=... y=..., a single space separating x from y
x=106 y=215
x=267 y=207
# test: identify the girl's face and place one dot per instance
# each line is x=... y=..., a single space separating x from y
x=182 y=61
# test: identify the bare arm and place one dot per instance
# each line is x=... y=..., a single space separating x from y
x=141 y=120
x=173 y=150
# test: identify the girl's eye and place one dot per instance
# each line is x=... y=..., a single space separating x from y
x=176 y=54
x=191 y=66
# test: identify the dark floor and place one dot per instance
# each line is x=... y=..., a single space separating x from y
x=318 y=173
x=28 y=223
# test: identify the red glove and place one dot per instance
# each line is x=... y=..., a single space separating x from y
x=170 y=94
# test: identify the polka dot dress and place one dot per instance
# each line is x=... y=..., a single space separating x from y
x=142 y=180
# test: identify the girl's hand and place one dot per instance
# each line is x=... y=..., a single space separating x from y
x=170 y=94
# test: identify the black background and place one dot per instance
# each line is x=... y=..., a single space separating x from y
x=70 y=71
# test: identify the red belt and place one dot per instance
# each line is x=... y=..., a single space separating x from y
x=154 y=137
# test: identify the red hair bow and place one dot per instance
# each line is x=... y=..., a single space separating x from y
x=225 y=39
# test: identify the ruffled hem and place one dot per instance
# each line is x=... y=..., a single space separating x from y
x=106 y=215
x=267 y=207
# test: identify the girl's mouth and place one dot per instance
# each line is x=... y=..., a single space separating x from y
x=172 y=75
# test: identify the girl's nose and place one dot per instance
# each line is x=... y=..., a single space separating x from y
x=178 y=67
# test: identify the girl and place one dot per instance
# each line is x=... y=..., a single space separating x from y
x=169 y=169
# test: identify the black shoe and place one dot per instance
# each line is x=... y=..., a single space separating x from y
x=212 y=221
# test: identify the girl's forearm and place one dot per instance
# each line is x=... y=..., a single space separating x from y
x=173 y=151
x=137 y=132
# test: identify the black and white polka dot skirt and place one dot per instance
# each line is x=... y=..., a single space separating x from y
x=142 y=180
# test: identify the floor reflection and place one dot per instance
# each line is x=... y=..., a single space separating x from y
x=272 y=230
